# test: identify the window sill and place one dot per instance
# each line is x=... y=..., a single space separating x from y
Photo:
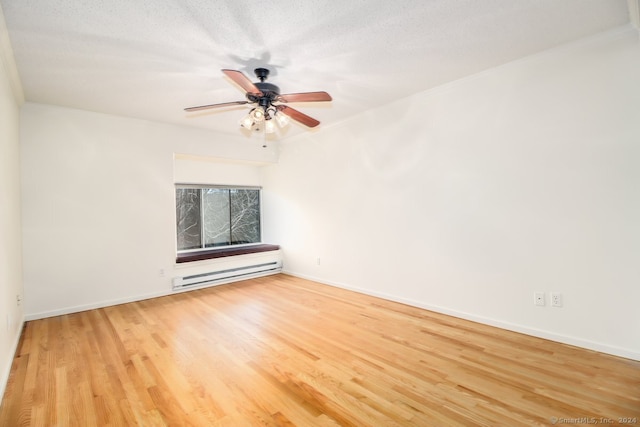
x=221 y=253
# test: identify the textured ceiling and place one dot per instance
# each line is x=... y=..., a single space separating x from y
x=151 y=58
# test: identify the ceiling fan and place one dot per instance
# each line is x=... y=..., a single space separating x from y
x=269 y=102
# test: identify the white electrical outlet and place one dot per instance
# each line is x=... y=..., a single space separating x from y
x=538 y=298
x=318 y=260
x=556 y=299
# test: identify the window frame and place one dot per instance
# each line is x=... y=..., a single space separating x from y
x=223 y=250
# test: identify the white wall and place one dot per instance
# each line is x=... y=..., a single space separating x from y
x=99 y=204
x=469 y=198
x=191 y=169
x=11 y=314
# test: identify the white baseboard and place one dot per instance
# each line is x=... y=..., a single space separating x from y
x=6 y=370
x=548 y=335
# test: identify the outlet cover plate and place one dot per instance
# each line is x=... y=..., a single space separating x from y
x=556 y=299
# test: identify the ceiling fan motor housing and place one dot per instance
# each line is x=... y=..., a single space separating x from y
x=270 y=91
x=270 y=94
x=267 y=88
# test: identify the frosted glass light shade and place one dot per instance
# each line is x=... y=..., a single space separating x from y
x=247 y=121
x=282 y=119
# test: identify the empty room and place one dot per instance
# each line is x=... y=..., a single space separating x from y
x=319 y=213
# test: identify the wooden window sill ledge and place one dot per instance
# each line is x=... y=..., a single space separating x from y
x=225 y=252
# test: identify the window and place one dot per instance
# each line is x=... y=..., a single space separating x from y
x=209 y=217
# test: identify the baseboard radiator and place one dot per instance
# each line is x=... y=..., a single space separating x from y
x=227 y=275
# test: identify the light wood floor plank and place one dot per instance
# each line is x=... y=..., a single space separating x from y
x=283 y=351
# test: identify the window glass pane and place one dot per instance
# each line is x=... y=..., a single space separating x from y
x=245 y=216
x=210 y=217
x=217 y=225
x=188 y=218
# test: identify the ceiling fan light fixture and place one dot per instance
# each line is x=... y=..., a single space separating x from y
x=247 y=121
x=257 y=114
x=281 y=119
x=269 y=126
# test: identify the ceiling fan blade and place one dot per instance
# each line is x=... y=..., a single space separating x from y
x=243 y=81
x=298 y=116
x=305 y=97
x=224 y=104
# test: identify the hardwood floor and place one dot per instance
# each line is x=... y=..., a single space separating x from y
x=282 y=351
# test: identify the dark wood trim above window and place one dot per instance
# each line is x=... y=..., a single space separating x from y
x=224 y=252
